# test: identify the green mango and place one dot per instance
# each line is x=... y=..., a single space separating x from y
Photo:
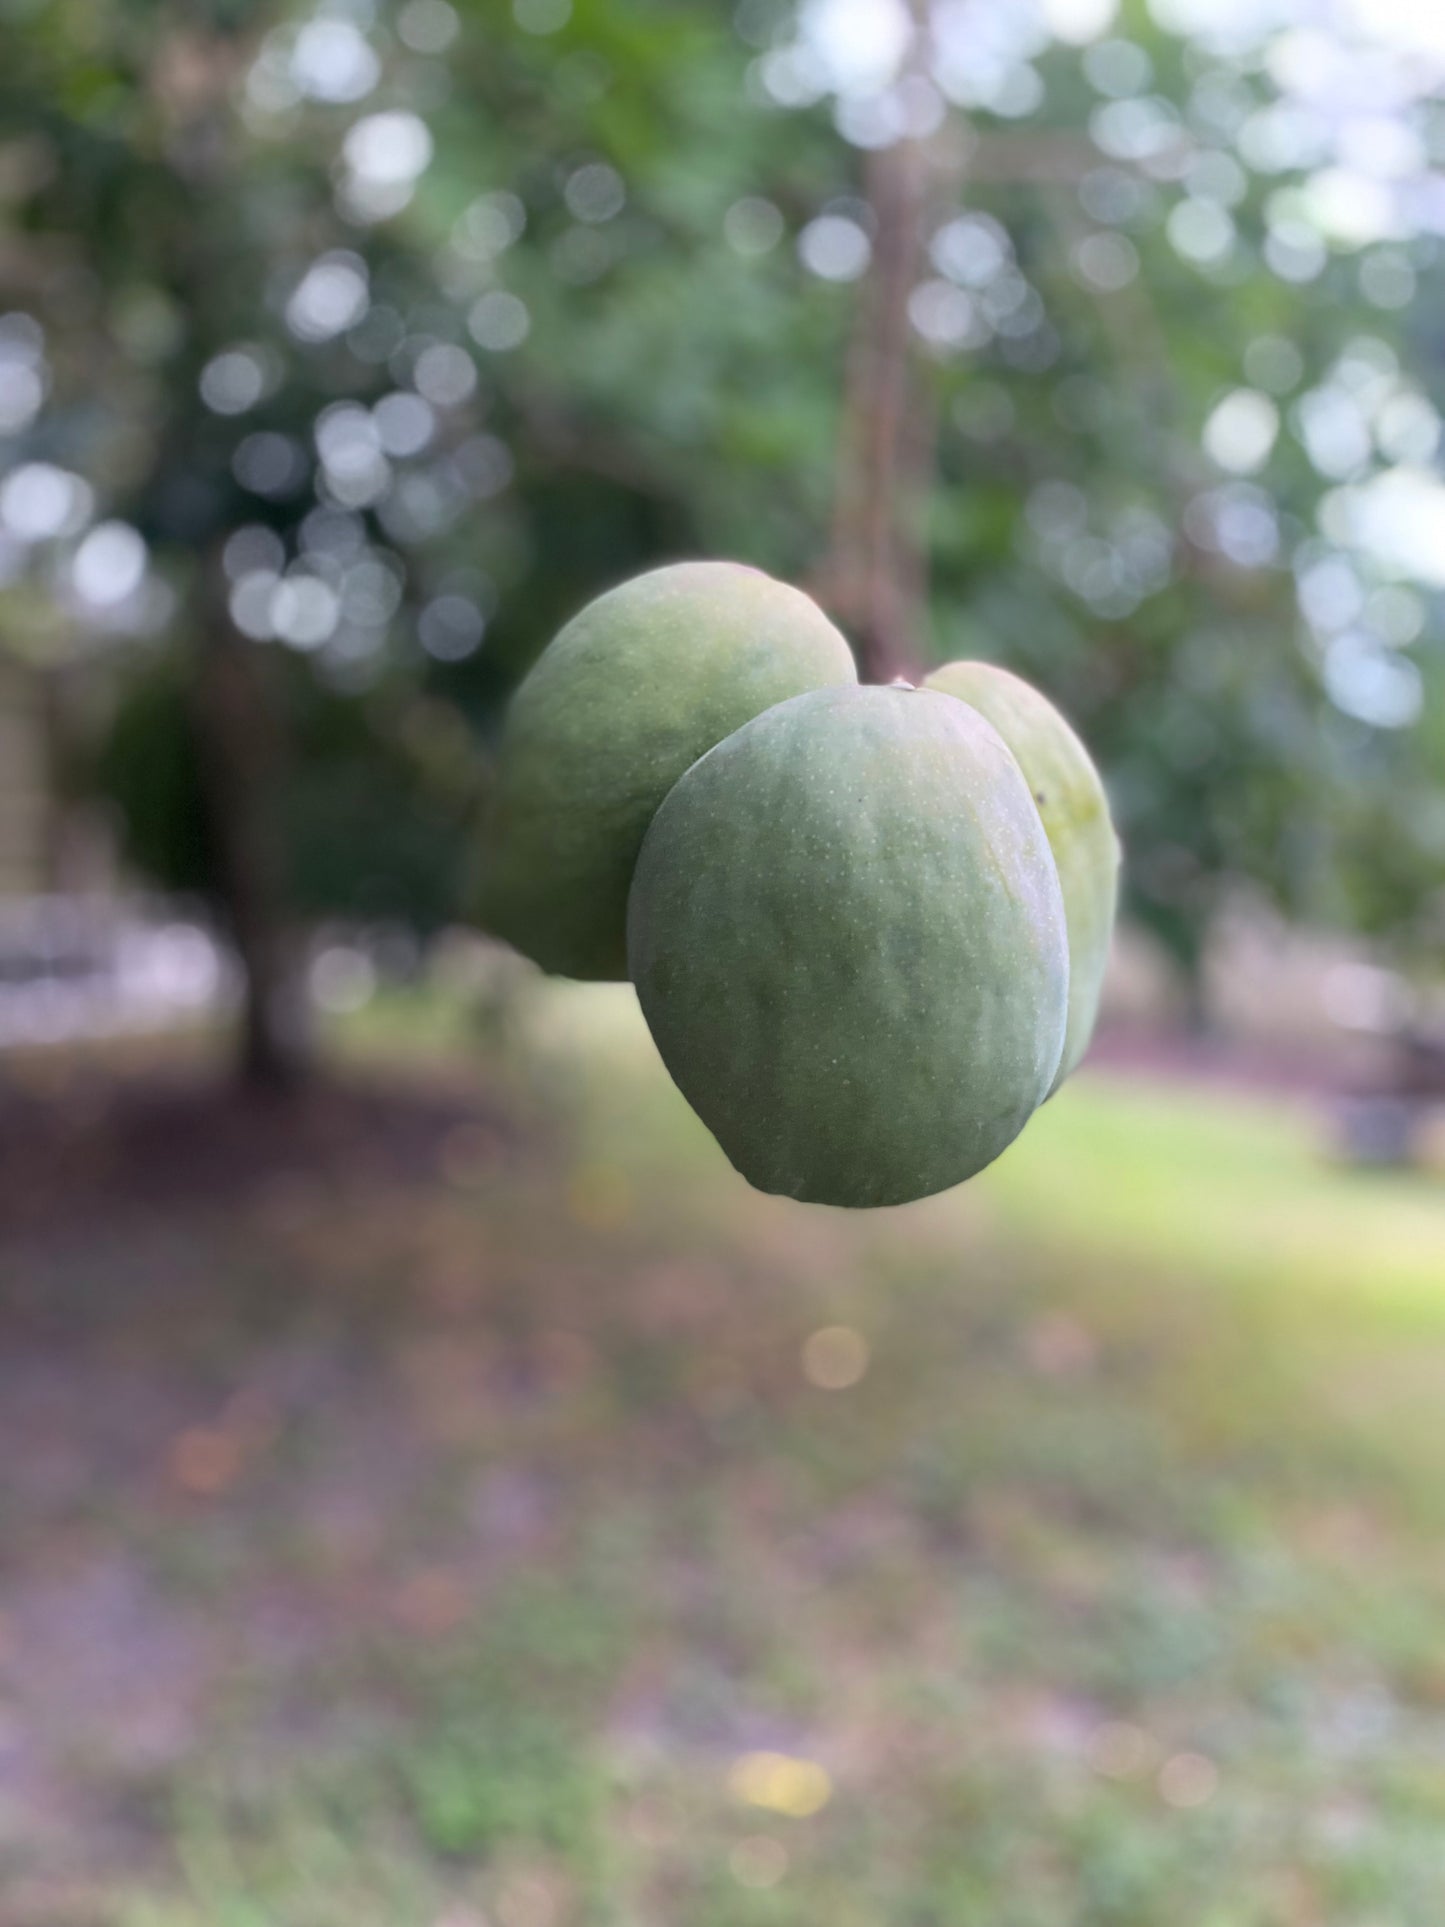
x=1075 y=812
x=634 y=689
x=848 y=940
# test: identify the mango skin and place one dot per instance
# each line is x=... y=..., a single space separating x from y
x=847 y=937
x=635 y=688
x=1075 y=812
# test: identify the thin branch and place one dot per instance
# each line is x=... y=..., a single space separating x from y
x=1042 y=157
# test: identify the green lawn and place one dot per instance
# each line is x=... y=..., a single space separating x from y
x=1087 y=1571
x=1242 y=1187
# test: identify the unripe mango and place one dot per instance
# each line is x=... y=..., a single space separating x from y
x=634 y=689
x=847 y=936
x=1075 y=813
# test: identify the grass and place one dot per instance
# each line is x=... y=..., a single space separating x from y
x=1245 y=1188
x=565 y=1577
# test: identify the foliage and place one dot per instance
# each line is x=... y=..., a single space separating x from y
x=594 y=272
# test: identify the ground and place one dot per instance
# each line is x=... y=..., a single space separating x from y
x=464 y=1502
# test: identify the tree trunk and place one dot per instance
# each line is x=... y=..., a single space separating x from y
x=876 y=577
x=241 y=745
x=876 y=574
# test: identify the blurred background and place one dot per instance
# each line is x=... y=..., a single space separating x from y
x=436 y=1489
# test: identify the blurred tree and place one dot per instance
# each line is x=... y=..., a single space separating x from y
x=382 y=336
x=194 y=285
x=1076 y=351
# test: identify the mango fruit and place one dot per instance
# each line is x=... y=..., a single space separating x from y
x=630 y=693
x=848 y=938
x=1075 y=811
